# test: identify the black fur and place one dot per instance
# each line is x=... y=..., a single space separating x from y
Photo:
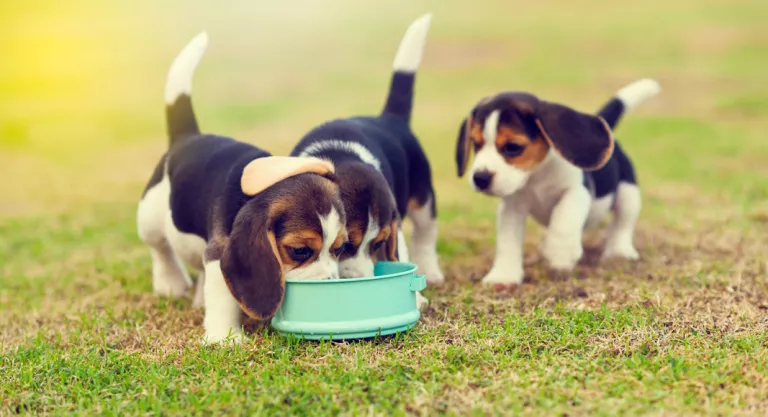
x=205 y=173
x=400 y=99
x=180 y=118
x=605 y=180
x=389 y=139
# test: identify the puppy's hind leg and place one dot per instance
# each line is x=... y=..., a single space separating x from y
x=622 y=228
x=169 y=278
x=199 y=298
x=402 y=246
x=424 y=239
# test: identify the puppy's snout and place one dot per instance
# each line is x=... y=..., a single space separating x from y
x=482 y=179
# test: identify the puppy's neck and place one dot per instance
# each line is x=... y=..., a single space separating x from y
x=554 y=172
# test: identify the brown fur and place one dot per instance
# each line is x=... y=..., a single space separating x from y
x=476 y=134
x=535 y=150
x=391 y=245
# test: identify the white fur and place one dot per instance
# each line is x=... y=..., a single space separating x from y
x=222 y=320
x=491 y=126
x=403 y=256
x=183 y=68
x=510 y=232
x=169 y=278
x=622 y=229
x=562 y=244
x=424 y=243
x=402 y=247
x=198 y=300
x=343 y=146
x=361 y=265
x=411 y=49
x=325 y=266
x=599 y=210
x=637 y=92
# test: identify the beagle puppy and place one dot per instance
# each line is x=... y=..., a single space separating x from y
x=245 y=219
x=559 y=165
x=383 y=173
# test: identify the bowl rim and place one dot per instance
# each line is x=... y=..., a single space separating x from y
x=411 y=270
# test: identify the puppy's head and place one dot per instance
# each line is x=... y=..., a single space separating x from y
x=291 y=227
x=513 y=133
x=372 y=220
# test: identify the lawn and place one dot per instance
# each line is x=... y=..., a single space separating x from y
x=683 y=331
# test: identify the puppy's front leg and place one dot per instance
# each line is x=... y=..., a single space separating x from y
x=562 y=244
x=199 y=298
x=507 y=267
x=222 y=313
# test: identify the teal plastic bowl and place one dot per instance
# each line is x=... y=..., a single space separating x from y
x=352 y=308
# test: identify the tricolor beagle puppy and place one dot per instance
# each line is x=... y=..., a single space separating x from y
x=247 y=220
x=383 y=173
x=561 y=166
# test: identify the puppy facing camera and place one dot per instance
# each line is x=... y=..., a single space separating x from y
x=556 y=164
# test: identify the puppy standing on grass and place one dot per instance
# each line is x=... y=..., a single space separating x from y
x=383 y=173
x=514 y=135
x=245 y=219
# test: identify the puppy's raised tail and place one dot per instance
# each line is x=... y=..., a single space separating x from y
x=179 y=115
x=407 y=61
x=627 y=98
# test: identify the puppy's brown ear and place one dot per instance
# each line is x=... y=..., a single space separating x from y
x=463 y=146
x=252 y=268
x=391 y=245
x=262 y=173
x=583 y=139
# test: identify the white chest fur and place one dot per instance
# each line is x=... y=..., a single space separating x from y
x=548 y=184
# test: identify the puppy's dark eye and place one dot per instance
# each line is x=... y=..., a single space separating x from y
x=510 y=150
x=376 y=246
x=347 y=247
x=300 y=254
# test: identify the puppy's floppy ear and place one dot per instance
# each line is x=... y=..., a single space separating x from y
x=582 y=139
x=463 y=146
x=252 y=267
x=262 y=173
x=391 y=245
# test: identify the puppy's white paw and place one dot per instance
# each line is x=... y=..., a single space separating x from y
x=171 y=288
x=421 y=301
x=562 y=253
x=199 y=300
x=430 y=268
x=622 y=250
x=501 y=278
x=231 y=337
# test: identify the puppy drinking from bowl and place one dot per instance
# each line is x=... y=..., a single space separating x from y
x=245 y=219
x=383 y=174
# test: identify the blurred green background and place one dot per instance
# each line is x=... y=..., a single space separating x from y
x=82 y=126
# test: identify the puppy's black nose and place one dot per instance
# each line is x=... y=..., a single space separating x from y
x=482 y=179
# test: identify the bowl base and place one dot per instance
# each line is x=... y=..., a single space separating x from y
x=363 y=329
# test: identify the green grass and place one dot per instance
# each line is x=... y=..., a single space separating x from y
x=682 y=332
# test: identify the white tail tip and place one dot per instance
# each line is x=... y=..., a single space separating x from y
x=411 y=48
x=637 y=92
x=183 y=68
